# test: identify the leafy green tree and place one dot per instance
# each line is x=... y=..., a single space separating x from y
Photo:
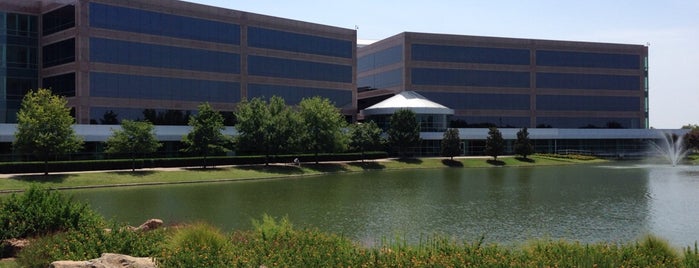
x=44 y=126
x=267 y=129
x=494 y=144
x=253 y=118
x=323 y=125
x=365 y=136
x=206 y=138
x=451 y=143
x=523 y=145
x=692 y=139
x=403 y=130
x=133 y=138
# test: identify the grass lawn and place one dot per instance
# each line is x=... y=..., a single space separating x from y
x=123 y=178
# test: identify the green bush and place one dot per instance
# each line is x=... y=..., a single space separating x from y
x=40 y=211
x=90 y=243
x=198 y=245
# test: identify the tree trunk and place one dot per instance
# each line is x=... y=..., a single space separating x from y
x=133 y=162
x=46 y=166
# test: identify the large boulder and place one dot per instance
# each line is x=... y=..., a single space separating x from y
x=149 y=225
x=10 y=247
x=108 y=260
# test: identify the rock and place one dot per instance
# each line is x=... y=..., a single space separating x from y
x=149 y=225
x=108 y=260
x=13 y=246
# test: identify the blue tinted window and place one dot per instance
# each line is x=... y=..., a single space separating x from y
x=588 y=122
x=487 y=55
x=455 y=77
x=58 y=20
x=586 y=59
x=382 y=80
x=130 y=53
x=59 y=53
x=280 y=40
x=478 y=101
x=105 y=115
x=296 y=69
x=63 y=85
x=379 y=59
x=587 y=103
x=148 y=22
x=162 y=88
x=588 y=81
x=294 y=95
x=488 y=121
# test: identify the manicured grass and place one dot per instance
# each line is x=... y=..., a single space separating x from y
x=122 y=178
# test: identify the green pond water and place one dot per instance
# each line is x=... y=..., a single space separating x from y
x=587 y=203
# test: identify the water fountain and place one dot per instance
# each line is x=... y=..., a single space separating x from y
x=671 y=147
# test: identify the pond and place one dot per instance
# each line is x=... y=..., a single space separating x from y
x=587 y=203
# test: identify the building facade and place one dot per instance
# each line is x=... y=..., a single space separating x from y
x=159 y=59
x=507 y=82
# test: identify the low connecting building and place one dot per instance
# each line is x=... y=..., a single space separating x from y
x=158 y=59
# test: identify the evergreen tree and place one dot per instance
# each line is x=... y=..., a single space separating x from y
x=451 y=143
x=44 y=126
x=523 y=146
x=494 y=144
x=403 y=131
x=134 y=137
x=206 y=138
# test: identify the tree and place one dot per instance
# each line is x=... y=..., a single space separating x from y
x=109 y=118
x=692 y=139
x=252 y=116
x=403 y=130
x=268 y=129
x=323 y=125
x=284 y=128
x=365 y=136
x=494 y=144
x=451 y=143
x=44 y=126
x=206 y=138
x=523 y=146
x=133 y=137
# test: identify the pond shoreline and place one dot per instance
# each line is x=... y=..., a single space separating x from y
x=15 y=183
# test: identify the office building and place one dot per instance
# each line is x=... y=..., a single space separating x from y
x=511 y=83
x=159 y=59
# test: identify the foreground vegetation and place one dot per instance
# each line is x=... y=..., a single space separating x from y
x=122 y=178
x=276 y=243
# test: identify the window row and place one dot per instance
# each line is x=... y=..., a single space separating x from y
x=293 y=95
x=140 y=54
x=379 y=59
x=587 y=103
x=476 y=78
x=462 y=121
x=303 y=43
x=16 y=87
x=484 y=55
x=381 y=80
x=14 y=24
x=588 y=81
x=162 y=88
x=59 y=53
x=587 y=59
x=58 y=20
x=155 y=23
x=114 y=115
x=22 y=57
x=63 y=85
x=296 y=69
x=587 y=122
x=474 y=101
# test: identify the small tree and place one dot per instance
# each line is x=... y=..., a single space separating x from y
x=494 y=144
x=692 y=139
x=206 y=138
x=404 y=130
x=133 y=137
x=253 y=118
x=44 y=126
x=322 y=123
x=523 y=146
x=365 y=136
x=451 y=143
x=283 y=130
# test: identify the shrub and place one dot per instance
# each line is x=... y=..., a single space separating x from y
x=40 y=211
x=198 y=245
x=90 y=243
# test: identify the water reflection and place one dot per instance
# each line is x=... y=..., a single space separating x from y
x=506 y=205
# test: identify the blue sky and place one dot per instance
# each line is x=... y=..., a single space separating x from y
x=670 y=27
